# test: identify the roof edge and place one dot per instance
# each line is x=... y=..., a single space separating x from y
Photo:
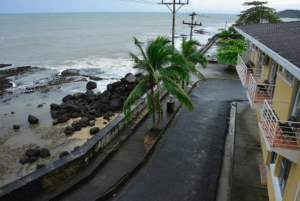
x=279 y=59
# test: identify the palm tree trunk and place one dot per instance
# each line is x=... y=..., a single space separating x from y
x=153 y=109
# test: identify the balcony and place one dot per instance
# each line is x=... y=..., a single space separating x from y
x=259 y=90
x=243 y=71
x=280 y=136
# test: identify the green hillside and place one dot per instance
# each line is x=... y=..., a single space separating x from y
x=288 y=13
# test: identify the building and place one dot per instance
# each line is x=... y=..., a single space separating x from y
x=270 y=70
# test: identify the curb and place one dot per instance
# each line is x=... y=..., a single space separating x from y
x=127 y=176
x=226 y=174
x=223 y=79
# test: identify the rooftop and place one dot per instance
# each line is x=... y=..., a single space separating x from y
x=283 y=38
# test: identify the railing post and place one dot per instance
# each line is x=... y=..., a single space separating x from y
x=272 y=140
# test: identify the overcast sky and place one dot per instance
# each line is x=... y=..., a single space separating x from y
x=199 y=6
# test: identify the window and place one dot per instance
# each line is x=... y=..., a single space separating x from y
x=286 y=75
x=283 y=174
x=273 y=157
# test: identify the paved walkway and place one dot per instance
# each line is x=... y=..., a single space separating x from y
x=187 y=166
x=248 y=157
x=127 y=157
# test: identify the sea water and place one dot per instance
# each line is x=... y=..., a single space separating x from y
x=61 y=41
x=96 y=43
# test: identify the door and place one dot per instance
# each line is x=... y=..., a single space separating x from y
x=296 y=108
x=272 y=78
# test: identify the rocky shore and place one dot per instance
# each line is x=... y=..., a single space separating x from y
x=64 y=128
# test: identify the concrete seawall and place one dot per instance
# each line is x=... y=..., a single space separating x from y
x=51 y=176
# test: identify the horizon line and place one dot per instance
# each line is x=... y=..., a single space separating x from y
x=109 y=12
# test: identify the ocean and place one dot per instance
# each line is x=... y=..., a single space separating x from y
x=96 y=44
x=101 y=41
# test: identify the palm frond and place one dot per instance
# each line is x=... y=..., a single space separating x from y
x=175 y=89
x=136 y=93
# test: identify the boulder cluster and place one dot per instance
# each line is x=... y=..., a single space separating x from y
x=90 y=106
x=33 y=154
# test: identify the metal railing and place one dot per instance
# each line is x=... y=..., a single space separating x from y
x=280 y=133
x=259 y=89
x=243 y=70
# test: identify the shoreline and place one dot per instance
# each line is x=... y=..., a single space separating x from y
x=16 y=108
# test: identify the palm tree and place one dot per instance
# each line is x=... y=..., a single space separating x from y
x=191 y=54
x=160 y=63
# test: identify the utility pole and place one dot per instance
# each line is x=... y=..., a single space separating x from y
x=192 y=25
x=174 y=11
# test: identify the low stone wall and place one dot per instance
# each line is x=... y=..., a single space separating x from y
x=208 y=44
x=51 y=176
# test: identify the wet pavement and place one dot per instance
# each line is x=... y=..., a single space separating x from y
x=187 y=166
x=248 y=157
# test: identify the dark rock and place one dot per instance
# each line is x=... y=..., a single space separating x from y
x=103 y=95
x=40 y=105
x=123 y=80
x=127 y=75
x=76 y=126
x=71 y=108
x=5 y=65
x=76 y=148
x=32 y=159
x=54 y=106
x=110 y=113
x=104 y=101
x=71 y=72
x=130 y=78
x=55 y=121
x=68 y=132
x=90 y=98
x=92 y=111
x=16 y=126
x=69 y=115
x=70 y=128
x=69 y=102
x=91 y=117
x=91 y=85
x=23 y=160
x=109 y=87
x=89 y=93
x=95 y=78
x=92 y=124
x=75 y=115
x=105 y=122
x=115 y=104
x=106 y=116
x=98 y=114
x=12 y=112
x=123 y=97
x=44 y=152
x=94 y=130
x=79 y=96
x=55 y=113
x=130 y=87
x=63 y=118
x=121 y=89
x=104 y=108
x=32 y=119
x=115 y=95
x=64 y=153
x=39 y=166
x=116 y=84
x=84 y=122
x=67 y=97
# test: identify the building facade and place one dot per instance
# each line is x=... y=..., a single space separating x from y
x=270 y=70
